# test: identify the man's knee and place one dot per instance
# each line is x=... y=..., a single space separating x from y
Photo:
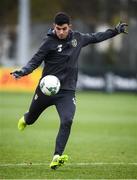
x=66 y=121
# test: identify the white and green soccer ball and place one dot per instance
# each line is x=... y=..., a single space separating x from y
x=50 y=85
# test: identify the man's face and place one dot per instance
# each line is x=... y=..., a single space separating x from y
x=62 y=31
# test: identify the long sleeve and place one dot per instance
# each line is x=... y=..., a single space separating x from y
x=97 y=37
x=37 y=59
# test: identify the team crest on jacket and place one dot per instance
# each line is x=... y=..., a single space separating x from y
x=74 y=42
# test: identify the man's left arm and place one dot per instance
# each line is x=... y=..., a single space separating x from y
x=102 y=36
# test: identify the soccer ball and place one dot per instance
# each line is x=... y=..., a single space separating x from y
x=50 y=85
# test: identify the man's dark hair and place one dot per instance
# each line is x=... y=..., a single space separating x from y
x=62 y=18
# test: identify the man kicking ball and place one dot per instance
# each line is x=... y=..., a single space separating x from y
x=59 y=52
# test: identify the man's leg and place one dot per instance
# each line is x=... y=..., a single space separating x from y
x=66 y=109
x=39 y=103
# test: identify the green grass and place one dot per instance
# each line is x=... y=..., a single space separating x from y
x=104 y=131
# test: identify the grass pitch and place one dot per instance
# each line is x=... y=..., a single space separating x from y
x=102 y=145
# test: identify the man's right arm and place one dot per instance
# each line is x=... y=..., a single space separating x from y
x=34 y=62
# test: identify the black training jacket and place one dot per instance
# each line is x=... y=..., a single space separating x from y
x=60 y=57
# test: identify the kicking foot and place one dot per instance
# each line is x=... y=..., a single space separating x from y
x=21 y=124
x=58 y=161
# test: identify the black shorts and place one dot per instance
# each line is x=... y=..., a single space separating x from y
x=64 y=101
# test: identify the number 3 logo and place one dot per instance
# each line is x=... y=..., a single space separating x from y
x=59 y=47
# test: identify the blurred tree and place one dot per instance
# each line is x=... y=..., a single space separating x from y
x=83 y=10
x=44 y=10
x=87 y=11
x=8 y=12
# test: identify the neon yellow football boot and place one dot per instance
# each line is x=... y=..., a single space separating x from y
x=58 y=161
x=21 y=124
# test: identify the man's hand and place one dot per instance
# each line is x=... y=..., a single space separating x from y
x=17 y=74
x=121 y=28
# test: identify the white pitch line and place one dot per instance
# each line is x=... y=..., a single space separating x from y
x=70 y=164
